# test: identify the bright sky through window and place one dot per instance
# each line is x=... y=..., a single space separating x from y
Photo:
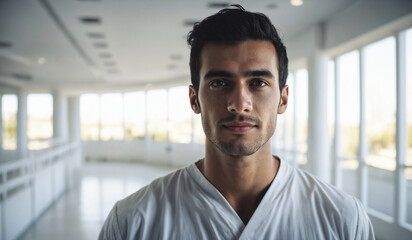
x=9 y=120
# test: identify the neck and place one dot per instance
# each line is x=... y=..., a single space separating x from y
x=242 y=180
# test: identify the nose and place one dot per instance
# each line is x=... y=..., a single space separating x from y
x=240 y=100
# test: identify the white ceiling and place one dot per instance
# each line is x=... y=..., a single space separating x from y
x=145 y=40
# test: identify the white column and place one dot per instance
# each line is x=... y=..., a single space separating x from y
x=75 y=163
x=74 y=119
x=22 y=139
x=401 y=134
x=148 y=138
x=318 y=142
x=60 y=125
x=337 y=172
x=319 y=162
x=363 y=142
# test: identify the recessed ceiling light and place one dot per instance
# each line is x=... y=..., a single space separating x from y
x=110 y=64
x=176 y=56
x=189 y=22
x=5 y=44
x=95 y=72
x=90 y=20
x=113 y=71
x=41 y=60
x=218 y=5
x=296 y=2
x=95 y=35
x=21 y=76
x=100 y=45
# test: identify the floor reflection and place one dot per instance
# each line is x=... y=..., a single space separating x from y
x=81 y=211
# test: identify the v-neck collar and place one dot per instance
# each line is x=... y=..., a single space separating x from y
x=247 y=231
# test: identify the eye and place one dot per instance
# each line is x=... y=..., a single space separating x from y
x=218 y=83
x=258 y=83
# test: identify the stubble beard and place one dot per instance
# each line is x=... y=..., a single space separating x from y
x=237 y=148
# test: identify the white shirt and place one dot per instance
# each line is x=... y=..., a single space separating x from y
x=185 y=205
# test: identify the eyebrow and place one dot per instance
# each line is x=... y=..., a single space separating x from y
x=254 y=73
x=218 y=73
x=259 y=73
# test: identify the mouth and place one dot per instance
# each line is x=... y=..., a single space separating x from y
x=239 y=127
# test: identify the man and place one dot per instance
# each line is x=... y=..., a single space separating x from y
x=239 y=190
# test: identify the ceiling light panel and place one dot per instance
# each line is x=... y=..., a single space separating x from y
x=90 y=20
x=96 y=35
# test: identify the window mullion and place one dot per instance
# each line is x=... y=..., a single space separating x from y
x=401 y=126
x=362 y=152
x=337 y=139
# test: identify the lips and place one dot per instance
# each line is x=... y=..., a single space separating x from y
x=239 y=126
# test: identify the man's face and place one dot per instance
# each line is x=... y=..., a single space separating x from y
x=238 y=95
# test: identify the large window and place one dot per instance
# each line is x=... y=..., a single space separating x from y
x=292 y=126
x=157 y=114
x=9 y=120
x=39 y=120
x=89 y=115
x=301 y=115
x=180 y=115
x=367 y=121
x=349 y=119
x=111 y=107
x=135 y=115
x=199 y=134
x=380 y=122
x=408 y=159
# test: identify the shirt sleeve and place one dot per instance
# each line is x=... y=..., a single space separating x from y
x=110 y=229
x=364 y=229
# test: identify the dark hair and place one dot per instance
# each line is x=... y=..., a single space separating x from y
x=233 y=25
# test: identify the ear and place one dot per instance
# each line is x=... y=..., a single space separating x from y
x=284 y=95
x=193 y=100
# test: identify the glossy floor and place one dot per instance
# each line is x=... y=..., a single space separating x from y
x=81 y=211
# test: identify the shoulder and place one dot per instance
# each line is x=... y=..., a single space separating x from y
x=152 y=194
x=133 y=216
x=331 y=206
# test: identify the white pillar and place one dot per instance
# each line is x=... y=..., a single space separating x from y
x=22 y=139
x=74 y=119
x=60 y=125
x=319 y=162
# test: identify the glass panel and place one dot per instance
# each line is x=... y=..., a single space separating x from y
x=350 y=177
x=9 y=120
x=157 y=114
x=380 y=114
x=408 y=175
x=408 y=159
x=39 y=120
x=287 y=122
x=381 y=190
x=111 y=116
x=198 y=129
x=331 y=101
x=348 y=105
x=135 y=115
x=280 y=133
x=89 y=116
x=180 y=115
x=301 y=111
